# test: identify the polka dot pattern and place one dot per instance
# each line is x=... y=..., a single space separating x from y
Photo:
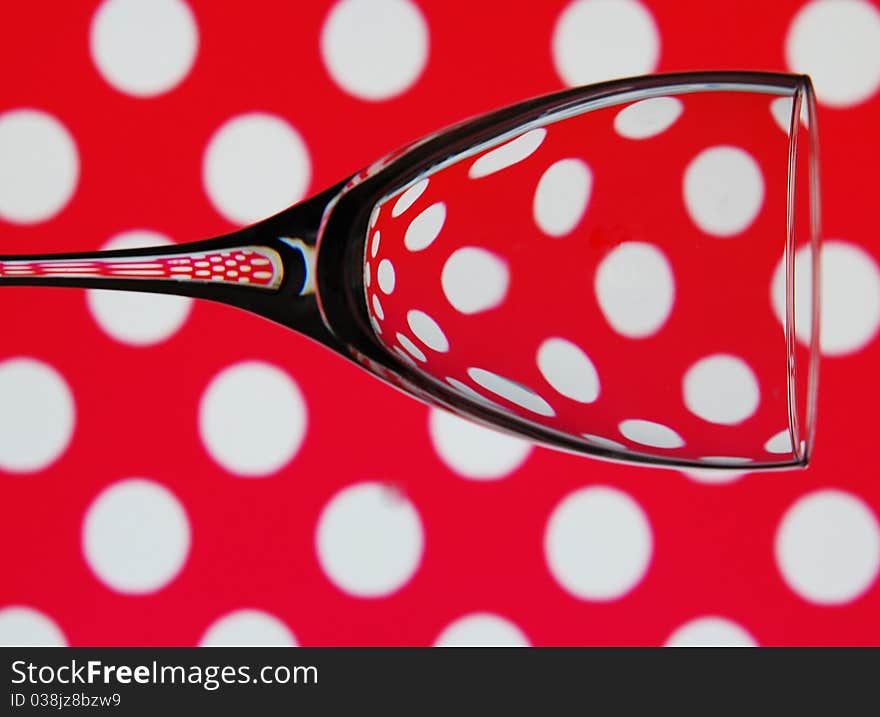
x=369 y=540
x=578 y=540
x=118 y=483
x=252 y=418
x=136 y=536
x=248 y=628
x=144 y=48
x=40 y=167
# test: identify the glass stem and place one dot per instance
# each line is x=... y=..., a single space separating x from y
x=267 y=269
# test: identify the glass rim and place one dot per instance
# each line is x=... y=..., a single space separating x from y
x=803 y=399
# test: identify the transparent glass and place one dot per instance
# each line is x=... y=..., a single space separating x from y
x=588 y=269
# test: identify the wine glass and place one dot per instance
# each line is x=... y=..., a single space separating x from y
x=524 y=269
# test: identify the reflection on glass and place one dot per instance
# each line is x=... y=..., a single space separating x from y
x=603 y=273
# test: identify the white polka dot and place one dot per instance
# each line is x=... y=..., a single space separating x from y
x=779 y=442
x=374 y=247
x=37 y=415
x=427 y=331
x=482 y=629
x=467 y=391
x=474 y=451
x=369 y=540
x=39 y=166
x=22 y=626
x=411 y=348
x=405 y=356
x=596 y=40
x=475 y=280
x=136 y=536
x=255 y=165
x=837 y=42
x=409 y=197
x=649 y=433
x=850 y=306
x=423 y=230
x=252 y=418
x=375 y=49
x=367 y=275
x=780 y=109
x=711 y=631
x=635 y=289
x=648 y=118
x=512 y=391
x=144 y=47
x=601 y=442
x=132 y=317
x=561 y=196
x=377 y=308
x=721 y=389
x=828 y=547
x=375 y=325
x=598 y=543
x=711 y=476
x=386 y=276
x=248 y=628
x=569 y=370
x=507 y=154
x=723 y=190
x=374 y=217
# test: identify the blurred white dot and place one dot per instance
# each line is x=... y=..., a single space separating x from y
x=374 y=245
x=475 y=280
x=602 y=442
x=375 y=49
x=837 y=43
x=136 y=536
x=648 y=118
x=255 y=165
x=561 y=196
x=132 y=317
x=828 y=547
x=248 y=628
x=22 y=626
x=482 y=629
x=711 y=631
x=711 y=476
x=723 y=190
x=850 y=306
x=635 y=289
x=427 y=330
x=369 y=540
x=144 y=47
x=474 y=451
x=39 y=166
x=507 y=154
x=596 y=40
x=779 y=442
x=386 y=276
x=598 y=543
x=411 y=348
x=721 y=389
x=511 y=390
x=650 y=433
x=252 y=418
x=409 y=197
x=37 y=415
x=568 y=369
x=469 y=392
x=423 y=230
x=781 y=108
